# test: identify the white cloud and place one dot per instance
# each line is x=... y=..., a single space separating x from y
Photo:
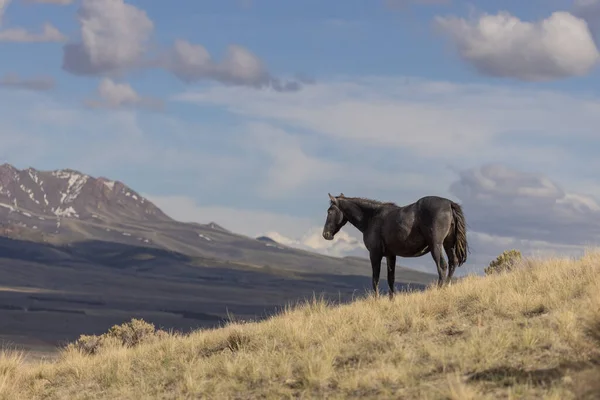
x=114 y=37
x=431 y=120
x=13 y=81
x=502 y=45
x=353 y=112
x=119 y=95
x=192 y=62
x=49 y=32
x=503 y=201
x=342 y=245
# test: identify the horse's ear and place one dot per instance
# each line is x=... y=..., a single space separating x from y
x=342 y=195
x=333 y=199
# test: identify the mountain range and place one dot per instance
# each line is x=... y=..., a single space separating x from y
x=66 y=206
x=79 y=253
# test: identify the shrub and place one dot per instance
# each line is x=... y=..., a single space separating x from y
x=504 y=262
x=128 y=334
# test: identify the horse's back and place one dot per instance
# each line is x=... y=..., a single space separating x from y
x=426 y=208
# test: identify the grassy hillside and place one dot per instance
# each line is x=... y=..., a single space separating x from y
x=532 y=333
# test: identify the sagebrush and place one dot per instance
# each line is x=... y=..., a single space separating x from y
x=505 y=262
x=128 y=334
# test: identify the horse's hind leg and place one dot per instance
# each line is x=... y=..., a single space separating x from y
x=452 y=262
x=440 y=262
x=439 y=222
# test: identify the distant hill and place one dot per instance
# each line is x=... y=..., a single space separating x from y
x=265 y=239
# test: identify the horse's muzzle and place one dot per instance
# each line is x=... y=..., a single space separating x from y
x=327 y=236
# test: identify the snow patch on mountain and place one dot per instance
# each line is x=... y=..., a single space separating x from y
x=109 y=184
x=66 y=212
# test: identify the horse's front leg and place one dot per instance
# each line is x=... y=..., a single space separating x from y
x=391 y=273
x=376 y=256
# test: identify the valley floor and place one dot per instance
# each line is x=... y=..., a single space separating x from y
x=532 y=333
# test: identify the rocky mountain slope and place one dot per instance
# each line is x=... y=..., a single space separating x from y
x=70 y=194
x=66 y=206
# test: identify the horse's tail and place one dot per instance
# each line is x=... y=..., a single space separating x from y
x=461 y=247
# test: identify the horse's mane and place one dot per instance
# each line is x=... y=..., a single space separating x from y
x=362 y=201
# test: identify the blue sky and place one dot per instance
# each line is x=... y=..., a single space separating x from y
x=248 y=112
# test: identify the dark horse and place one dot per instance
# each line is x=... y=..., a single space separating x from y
x=413 y=230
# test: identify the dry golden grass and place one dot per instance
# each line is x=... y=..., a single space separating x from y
x=530 y=333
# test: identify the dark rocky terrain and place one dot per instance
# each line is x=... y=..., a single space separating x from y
x=79 y=254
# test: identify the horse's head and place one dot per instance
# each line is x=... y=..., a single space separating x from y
x=335 y=218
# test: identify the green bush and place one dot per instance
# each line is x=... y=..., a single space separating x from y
x=129 y=334
x=506 y=261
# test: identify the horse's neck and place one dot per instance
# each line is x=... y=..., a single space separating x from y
x=358 y=214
